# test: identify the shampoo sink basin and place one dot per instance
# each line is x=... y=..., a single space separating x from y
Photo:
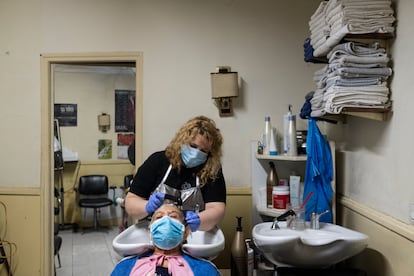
x=308 y=248
x=135 y=240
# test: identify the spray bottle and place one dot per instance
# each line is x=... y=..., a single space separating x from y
x=238 y=252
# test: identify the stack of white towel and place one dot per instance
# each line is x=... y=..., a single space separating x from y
x=335 y=19
x=356 y=76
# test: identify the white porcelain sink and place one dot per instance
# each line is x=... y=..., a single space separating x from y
x=308 y=248
x=135 y=240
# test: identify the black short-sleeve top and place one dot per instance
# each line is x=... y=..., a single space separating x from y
x=152 y=171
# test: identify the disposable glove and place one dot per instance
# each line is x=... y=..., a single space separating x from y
x=154 y=202
x=192 y=220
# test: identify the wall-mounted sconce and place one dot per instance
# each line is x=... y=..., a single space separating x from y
x=224 y=87
x=104 y=122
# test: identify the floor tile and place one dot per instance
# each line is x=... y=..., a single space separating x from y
x=89 y=253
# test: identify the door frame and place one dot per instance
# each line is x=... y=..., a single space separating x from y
x=46 y=159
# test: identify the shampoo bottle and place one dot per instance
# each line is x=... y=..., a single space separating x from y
x=266 y=135
x=271 y=181
x=289 y=135
x=238 y=252
x=272 y=143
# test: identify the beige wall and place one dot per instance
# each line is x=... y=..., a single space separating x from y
x=182 y=42
x=391 y=242
x=238 y=205
x=22 y=238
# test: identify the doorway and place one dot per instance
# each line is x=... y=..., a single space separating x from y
x=48 y=61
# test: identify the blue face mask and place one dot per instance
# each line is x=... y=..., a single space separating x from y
x=167 y=233
x=192 y=157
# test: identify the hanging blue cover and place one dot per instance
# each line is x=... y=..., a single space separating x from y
x=319 y=174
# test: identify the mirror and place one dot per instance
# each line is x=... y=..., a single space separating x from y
x=95 y=107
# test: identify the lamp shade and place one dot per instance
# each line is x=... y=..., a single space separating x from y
x=104 y=122
x=224 y=85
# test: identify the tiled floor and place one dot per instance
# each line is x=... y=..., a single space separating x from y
x=89 y=253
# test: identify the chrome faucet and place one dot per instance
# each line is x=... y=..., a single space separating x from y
x=315 y=219
x=274 y=225
x=281 y=218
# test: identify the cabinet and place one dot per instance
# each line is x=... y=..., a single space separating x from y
x=284 y=166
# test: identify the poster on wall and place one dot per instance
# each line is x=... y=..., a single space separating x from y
x=124 y=140
x=104 y=149
x=66 y=114
x=124 y=110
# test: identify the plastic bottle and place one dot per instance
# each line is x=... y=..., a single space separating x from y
x=281 y=197
x=250 y=258
x=289 y=133
x=238 y=260
x=272 y=143
x=271 y=181
x=266 y=135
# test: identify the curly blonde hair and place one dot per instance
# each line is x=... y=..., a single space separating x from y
x=205 y=127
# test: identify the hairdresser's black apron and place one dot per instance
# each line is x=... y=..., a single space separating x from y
x=192 y=199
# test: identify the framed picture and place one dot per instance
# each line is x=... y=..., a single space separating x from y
x=66 y=114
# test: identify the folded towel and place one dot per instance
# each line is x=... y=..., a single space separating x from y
x=354 y=82
x=361 y=72
x=357 y=49
x=343 y=58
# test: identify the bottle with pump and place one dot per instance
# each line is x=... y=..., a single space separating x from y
x=289 y=137
x=271 y=181
x=239 y=252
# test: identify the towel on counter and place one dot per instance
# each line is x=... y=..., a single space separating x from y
x=319 y=174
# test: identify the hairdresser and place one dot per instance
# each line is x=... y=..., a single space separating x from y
x=189 y=170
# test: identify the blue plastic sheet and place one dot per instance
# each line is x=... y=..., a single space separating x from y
x=319 y=174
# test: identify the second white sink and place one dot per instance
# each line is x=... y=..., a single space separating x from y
x=308 y=248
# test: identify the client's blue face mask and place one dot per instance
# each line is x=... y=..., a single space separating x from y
x=192 y=157
x=167 y=233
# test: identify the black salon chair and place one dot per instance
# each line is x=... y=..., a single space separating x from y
x=93 y=193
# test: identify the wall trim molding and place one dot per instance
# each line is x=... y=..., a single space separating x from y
x=400 y=228
x=17 y=191
x=239 y=190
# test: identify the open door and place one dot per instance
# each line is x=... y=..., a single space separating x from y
x=50 y=132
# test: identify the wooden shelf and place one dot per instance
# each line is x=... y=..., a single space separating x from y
x=281 y=157
x=378 y=114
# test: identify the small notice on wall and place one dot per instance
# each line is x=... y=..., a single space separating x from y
x=104 y=149
x=66 y=114
x=124 y=140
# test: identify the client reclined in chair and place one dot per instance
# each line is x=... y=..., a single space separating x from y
x=93 y=193
x=168 y=230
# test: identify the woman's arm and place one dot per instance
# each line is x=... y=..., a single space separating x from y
x=135 y=206
x=212 y=215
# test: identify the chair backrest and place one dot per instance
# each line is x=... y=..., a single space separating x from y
x=127 y=180
x=93 y=185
